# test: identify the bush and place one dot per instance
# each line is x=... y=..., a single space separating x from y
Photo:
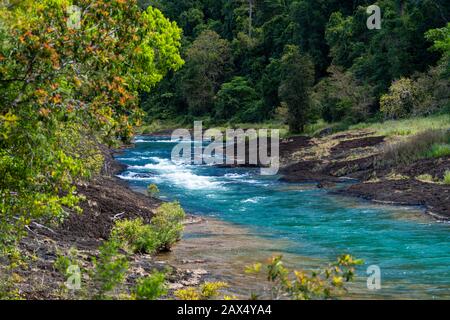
x=164 y=230
x=438 y=150
x=433 y=90
x=62 y=262
x=400 y=100
x=152 y=190
x=168 y=224
x=135 y=235
x=341 y=97
x=447 y=177
x=110 y=268
x=151 y=287
x=207 y=291
x=300 y=285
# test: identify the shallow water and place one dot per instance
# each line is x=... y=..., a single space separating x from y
x=303 y=222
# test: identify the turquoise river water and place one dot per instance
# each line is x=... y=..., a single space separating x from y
x=411 y=249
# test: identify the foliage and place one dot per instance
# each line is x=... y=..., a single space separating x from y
x=207 y=61
x=109 y=268
x=135 y=235
x=61 y=87
x=207 y=291
x=63 y=262
x=237 y=100
x=301 y=285
x=297 y=79
x=341 y=97
x=406 y=127
x=152 y=190
x=8 y=290
x=438 y=150
x=163 y=231
x=151 y=287
x=423 y=145
x=447 y=177
x=332 y=33
x=400 y=101
x=168 y=224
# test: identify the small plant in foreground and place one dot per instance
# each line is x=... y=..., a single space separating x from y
x=110 y=268
x=447 y=177
x=152 y=190
x=300 y=285
x=62 y=262
x=151 y=287
x=168 y=224
x=207 y=291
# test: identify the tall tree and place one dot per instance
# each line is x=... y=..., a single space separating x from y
x=297 y=74
x=207 y=63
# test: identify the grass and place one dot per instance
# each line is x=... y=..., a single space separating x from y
x=424 y=145
x=447 y=177
x=407 y=127
x=438 y=150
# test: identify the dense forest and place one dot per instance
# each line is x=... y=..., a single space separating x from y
x=303 y=60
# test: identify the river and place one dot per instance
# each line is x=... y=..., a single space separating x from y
x=308 y=225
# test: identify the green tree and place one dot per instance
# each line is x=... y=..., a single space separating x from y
x=208 y=61
x=297 y=74
x=237 y=100
x=64 y=89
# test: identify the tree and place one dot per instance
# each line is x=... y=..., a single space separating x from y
x=208 y=61
x=237 y=100
x=65 y=89
x=297 y=74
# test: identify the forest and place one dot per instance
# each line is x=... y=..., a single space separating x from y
x=298 y=61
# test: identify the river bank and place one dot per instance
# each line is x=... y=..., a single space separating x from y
x=353 y=155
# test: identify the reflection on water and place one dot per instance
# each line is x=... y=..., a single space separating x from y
x=305 y=224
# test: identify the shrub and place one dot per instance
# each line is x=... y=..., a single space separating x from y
x=400 y=100
x=168 y=224
x=447 y=177
x=301 y=285
x=207 y=291
x=235 y=99
x=438 y=150
x=151 y=287
x=110 y=268
x=164 y=230
x=135 y=235
x=62 y=262
x=152 y=190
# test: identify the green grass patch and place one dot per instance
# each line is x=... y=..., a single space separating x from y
x=438 y=150
x=406 y=127
x=447 y=177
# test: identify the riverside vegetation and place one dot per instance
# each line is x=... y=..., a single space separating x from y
x=305 y=66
